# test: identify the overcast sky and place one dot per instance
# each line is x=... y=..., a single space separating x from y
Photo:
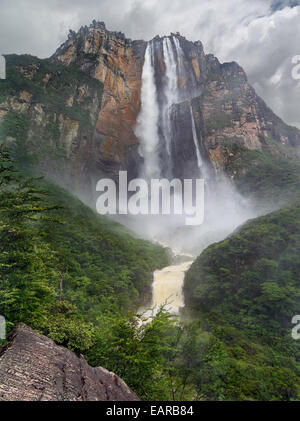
x=261 y=35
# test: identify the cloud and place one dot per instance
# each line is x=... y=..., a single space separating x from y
x=261 y=35
x=266 y=48
x=280 y=4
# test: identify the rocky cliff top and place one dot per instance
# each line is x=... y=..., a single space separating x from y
x=34 y=368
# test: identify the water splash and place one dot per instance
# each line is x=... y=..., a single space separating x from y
x=147 y=122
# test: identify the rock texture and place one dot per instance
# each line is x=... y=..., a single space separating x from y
x=118 y=63
x=34 y=368
x=226 y=109
x=48 y=114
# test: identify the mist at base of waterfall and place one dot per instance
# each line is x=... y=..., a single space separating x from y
x=225 y=208
x=225 y=211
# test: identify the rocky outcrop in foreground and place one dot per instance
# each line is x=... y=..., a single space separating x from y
x=34 y=368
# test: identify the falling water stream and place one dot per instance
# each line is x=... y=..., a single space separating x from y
x=167 y=287
x=170 y=91
x=147 y=122
x=162 y=94
x=195 y=138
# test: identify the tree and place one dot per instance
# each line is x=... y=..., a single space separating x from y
x=27 y=277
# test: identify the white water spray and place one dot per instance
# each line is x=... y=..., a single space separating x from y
x=170 y=91
x=180 y=57
x=147 y=122
x=196 y=141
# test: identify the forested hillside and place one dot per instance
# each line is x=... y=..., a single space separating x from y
x=74 y=276
x=246 y=290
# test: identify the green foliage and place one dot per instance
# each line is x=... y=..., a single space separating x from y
x=218 y=121
x=67 y=327
x=246 y=290
x=270 y=178
x=58 y=89
x=104 y=267
x=16 y=126
x=62 y=266
x=135 y=351
x=28 y=73
x=27 y=279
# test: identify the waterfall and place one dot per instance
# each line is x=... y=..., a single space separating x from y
x=167 y=290
x=170 y=90
x=162 y=149
x=196 y=141
x=192 y=89
x=181 y=68
x=167 y=287
x=154 y=126
x=147 y=122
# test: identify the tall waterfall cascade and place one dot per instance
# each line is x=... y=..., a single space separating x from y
x=155 y=132
x=155 y=128
x=169 y=128
x=196 y=141
x=180 y=55
x=147 y=123
x=170 y=91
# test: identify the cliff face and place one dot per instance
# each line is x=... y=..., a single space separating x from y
x=225 y=108
x=117 y=62
x=34 y=368
x=48 y=115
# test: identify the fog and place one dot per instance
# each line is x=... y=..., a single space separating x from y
x=224 y=211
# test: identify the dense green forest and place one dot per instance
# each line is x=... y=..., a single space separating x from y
x=271 y=176
x=75 y=276
x=246 y=290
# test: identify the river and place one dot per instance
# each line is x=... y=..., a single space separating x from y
x=167 y=288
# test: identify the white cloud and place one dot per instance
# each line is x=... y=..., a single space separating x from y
x=266 y=50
